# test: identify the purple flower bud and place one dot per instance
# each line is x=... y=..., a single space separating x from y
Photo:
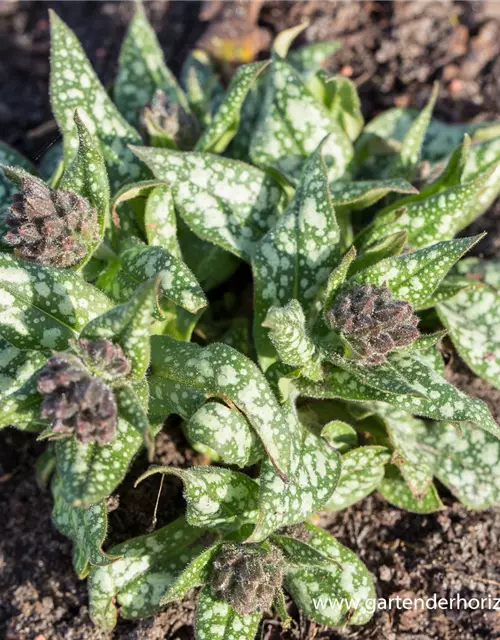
x=373 y=322
x=247 y=576
x=53 y=228
x=77 y=401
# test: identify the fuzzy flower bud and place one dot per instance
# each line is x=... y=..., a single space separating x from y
x=103 y=358
x=77 y=401
x=372 y=322
x=53 y=228
x=247 y=576
x=171 y=120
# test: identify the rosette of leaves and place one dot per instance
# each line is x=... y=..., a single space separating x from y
x=339 y=388
x=240 y=580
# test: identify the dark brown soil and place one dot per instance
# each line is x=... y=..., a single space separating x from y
x=393 y=51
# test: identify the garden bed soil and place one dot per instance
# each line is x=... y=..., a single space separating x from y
x=393 y=51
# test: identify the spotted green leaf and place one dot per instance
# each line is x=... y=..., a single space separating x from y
x=361 y=194
x=310 y=57
x=340 y=97
x=340 y=435
x=295 y=258
x=415 y=276
x=406 y=162
x=87 y=176
x=159 y=221
x=316 y=473
x=290 y=338
x=140 y=262
x=299 y=553
x=142 y=70
x=486 y=270
x=414 y=461
x=227 y=432
x=87 y=529
x=388 y=247
x=291 y=125
x=41 y=307
x=225 y=122
x=466 y=462
x=335 y=595
x=21 y=408
x=170 y=397
x=147 y=566
x=201 y=83
x=214 y=496
x=224 y=201
x=438 y=217
x=472 y=318
x=16 y=367
x=394 y=489
x=362 y=470
x=440 y=400
x=131 y=410
x=220 y=371
x=336 y=278
x=91 y=472
x=74 y=85
x=129 y=325
x=217 y=620
x=194 y=575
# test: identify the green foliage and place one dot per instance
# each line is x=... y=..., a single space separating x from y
x=339 y=388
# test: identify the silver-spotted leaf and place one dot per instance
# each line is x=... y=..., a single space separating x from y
x=296 y=257
x=87 y=176
x=394 y=489
x=340 y=435
x=74 y=85
x=194 y=575
x=317 y=471
x=291 y=125
x=289 y=336
x=140 y=262
x=414 y=461
x=87 y=529
x=159 y=220
x=142 y=70
x=21 y=407
x=438 y=217
x=129 y=325
x=16 y=367
x=91 y=472
x=227 y=432
x=361 y=194
x=415 y=276
x=226 y=202
x=225 y=121
x=362 y=470
x=171 y=397
x=466 y=462
x=336 y=595
x=215 y=497
x=42 y=307
x=220 y=371
x=217 y=620
x=147 y=567
x=472 y=318
x=440 y=400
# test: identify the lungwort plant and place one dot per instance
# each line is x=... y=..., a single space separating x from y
x=328 y=387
